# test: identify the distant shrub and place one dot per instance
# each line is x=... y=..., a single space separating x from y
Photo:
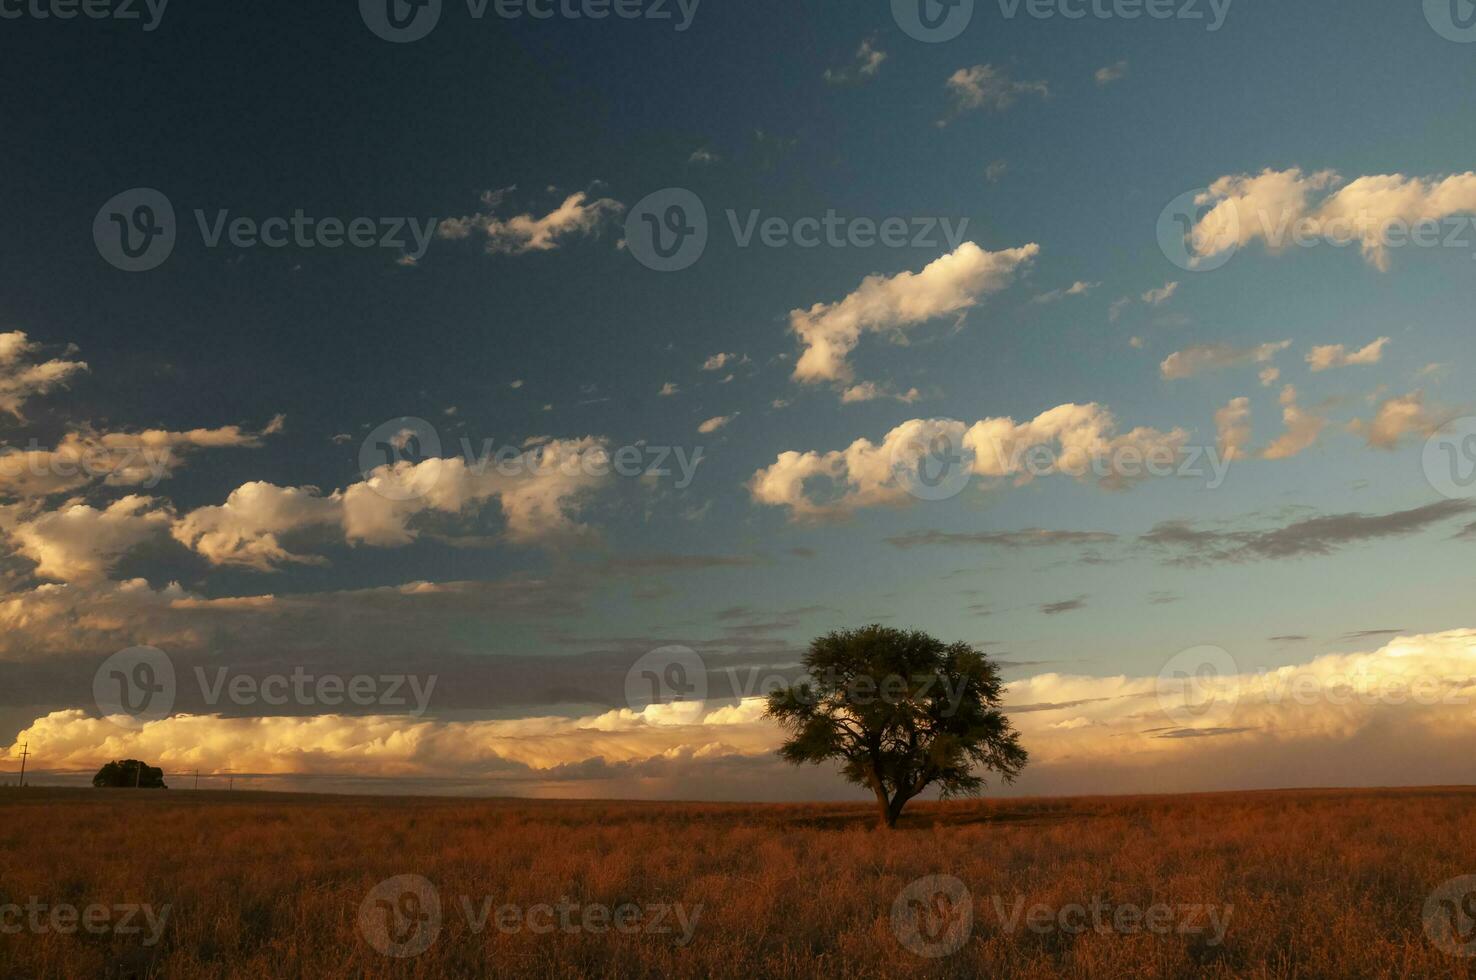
x=130 y=773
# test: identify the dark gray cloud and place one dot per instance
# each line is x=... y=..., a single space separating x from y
x=1031 y=537
x=1372 y=634
x=1064 y=605
x=1201 y=732
x=1181 y=543
x=1058 y=705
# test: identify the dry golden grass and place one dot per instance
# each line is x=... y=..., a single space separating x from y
x=1321 y=883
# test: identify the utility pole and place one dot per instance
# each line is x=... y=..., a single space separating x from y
x=197 y=779
x=25 y=751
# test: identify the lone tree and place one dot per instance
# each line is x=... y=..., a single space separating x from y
x=902 y=711
x=129 y=773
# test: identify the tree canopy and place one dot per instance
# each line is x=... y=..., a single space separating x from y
x=129 y=773
x=901 y=711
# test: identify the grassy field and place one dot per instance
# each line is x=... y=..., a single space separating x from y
x=1327 y=883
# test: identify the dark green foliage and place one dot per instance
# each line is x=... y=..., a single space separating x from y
x=901 y=711
x=129 y=773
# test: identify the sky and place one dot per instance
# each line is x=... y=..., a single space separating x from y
x=495 y=361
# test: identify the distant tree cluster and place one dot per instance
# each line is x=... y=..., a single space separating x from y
x=129 y=773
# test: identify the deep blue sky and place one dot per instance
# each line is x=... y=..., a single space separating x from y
x=266 y=108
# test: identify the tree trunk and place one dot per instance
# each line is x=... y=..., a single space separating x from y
x=891 y=809
x=889 y=819
x=895 y=810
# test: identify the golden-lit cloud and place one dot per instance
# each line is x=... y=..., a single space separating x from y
x=1396 y=418
x=79 y=543
x=1337 y=719
x=24 y=376
x=578 y=216
x=87 y=456
x=1190 y=361
x=1284 y=208
x=948 y=286
x=1232 y=428
x=538 y=492
x=1082 y=441
x=1329 y=356
x=1302 y=427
